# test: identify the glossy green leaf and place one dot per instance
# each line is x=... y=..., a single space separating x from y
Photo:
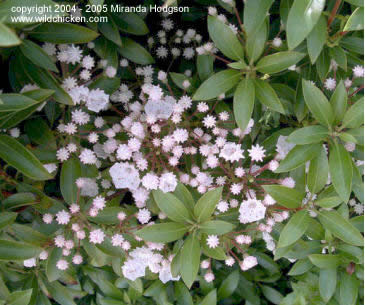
x=327 y=283
x=229 y=285
x=183 y=194
x=308 y=135
x=135 y=52
x=210 y=298
x=285 y=196
x=216 y=227
x=325 y=261
x=272 y=294
x=302 y=18
x=217 y=84
x=354 y=117
x=63 y=33
x=298 y=156
x=356 y=21
x=19 y=199
x=340 y=227
x=163 y=232
x=318 y=172
x=340 y=166
x=349 y=287
x=16 y=155
x=110 y=31
x=329 y=202
x=205 y=206
x=300 y=267
x=278 y=62
x=37 y=55
x=338 y=102
x=254 y=15
x=317 y=103
x=6 y=219
x=243 y=102
x=316 y=39
x=255 y=44
x=7 y=37
x=294 y=229
x=20 y=297
x=13 y=250
x=182 y=293
x=130 y=23
x=171 y=206
x=267 y=96
x=52 y=272
x=204 y=65
x=70 y=172
x=190 y=260
x=225 y=39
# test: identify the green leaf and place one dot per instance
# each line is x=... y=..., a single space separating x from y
x=7 y=218
x=16 y=108
x=43 y=79
x=308 y=135
x=39 y=132
x=355 y=115
x=130 y=23
x=327 y=283
x=317 y=103
x=278 y=62
x=285 y=196
x=107 y=216
x=61 y=294
x=272 y=294
x=182 y=293
x=254 y=15
x=52 y=272
x=16 y=155
x=243 y=102
x=339 y=55
x=340 y=166
x=183 y=194
x=341 y=227
x=216 y=227
x=162 y=232
x=255 y=44
x=37 y=55
x=323 y=64
x=298 y=156
x=294 y=229
x=63 y=33
x=20 y=297
x=318 y=172
x=329 y=202
x=19 y=199
x=356 y=21
x=217 y=84
x=110 y=31
x=13 y=250
x=179 y=78
x=205 y=206
x=71 y=170
x=135 y=52
x=171 y=206
x=302 y=18
x=216 y=253
x=27 y=234
x=356 y=2
x=267 y=96
x=300 y=267
x=204 y=65
x=349 y=288
x=210 y=298
x=316 y=39
x=224 y=39
x=229 y=285
x=190 y=260
x=7 y=37
x=338 y=102
x=325 y=261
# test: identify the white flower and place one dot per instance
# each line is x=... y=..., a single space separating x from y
x=231 y=152
x=97 y=100
x=77 y=259
x=96 y=236
x=117 y=240
x=144 y=216
x=251 y=210
x=63 y=217
x=29 y=263
x=288 y=182
x=62 y=264
x=277 y=42
x=125 y=175
x=358 y=71
x=248 y=263
x=150 y=181
x=257 y=153
x=133 y=269
x=330 y=84
x=212 y=241
x=209 y=277
x=283 y=147
x=168 y=182
x=62 y=154
x=87 y=156
x=43 y=255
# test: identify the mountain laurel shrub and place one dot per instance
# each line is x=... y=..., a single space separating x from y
x=213 y=156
